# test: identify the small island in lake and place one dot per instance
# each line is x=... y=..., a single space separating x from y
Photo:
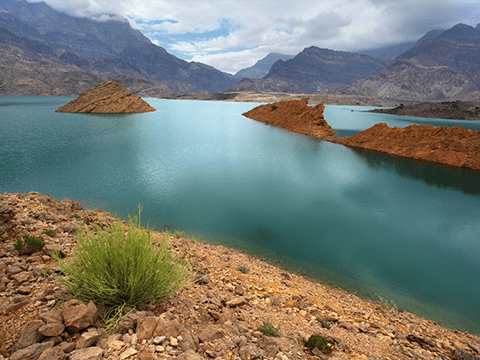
x=452 y=146
x=107 y=97
x=294 y=115
x=457 y=110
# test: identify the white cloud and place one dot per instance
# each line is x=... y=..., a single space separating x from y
x=256 y=27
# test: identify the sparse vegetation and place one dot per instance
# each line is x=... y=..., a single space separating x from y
x=242 y=269
x=178 y=234
x=385 y=304
x=49 y=233
x=323 y=320
x=269 y=329
x=319 y=342
x=274 y=107
x=122 y=269
x=29 y=245
x=76 y=216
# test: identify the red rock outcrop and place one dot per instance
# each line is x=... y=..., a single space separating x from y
x=294 y=115
x=446 y=145
x=107 y=98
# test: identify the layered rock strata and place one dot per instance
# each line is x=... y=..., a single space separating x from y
x=231 y=296
x=453 y=146
x=294 y=115
x=107 y=98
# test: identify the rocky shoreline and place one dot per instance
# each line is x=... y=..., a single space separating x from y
x=219 y=315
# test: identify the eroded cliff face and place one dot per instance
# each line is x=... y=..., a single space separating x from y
x=445 y=145
x=107 y=98
x=294 y=115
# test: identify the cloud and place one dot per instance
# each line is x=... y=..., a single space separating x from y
x=228 y=34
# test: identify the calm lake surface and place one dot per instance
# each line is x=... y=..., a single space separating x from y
x=368 y=222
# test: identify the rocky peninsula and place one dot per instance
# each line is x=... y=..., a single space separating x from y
x=458 y=110
x=108 y=97
x=294 y=115
x=452 y=146
x=231 y=297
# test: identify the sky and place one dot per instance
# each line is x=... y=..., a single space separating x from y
x=234 y=34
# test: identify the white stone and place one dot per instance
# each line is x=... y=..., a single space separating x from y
x=129 y=352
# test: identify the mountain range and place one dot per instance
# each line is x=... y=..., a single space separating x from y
x=47 y=52
x=43 y=50
x=440 y=65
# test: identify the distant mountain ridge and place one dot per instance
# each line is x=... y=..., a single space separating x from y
x=262 y=66
x=315 y=70
x=389 y=53
x=94 y=49
x=437 y=68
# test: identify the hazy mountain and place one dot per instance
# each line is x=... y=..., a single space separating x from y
x=98 y=48
x=323 y=70
x=262 y=67
x=437 y=68
x=389 y=53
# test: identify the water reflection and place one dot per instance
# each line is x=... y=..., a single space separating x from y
x=443 y=176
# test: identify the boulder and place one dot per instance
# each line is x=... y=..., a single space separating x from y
x=93 y=353
x=77 y=315
x=31 y=352
x=30 y=335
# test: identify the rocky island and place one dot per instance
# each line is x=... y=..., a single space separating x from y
x=294 y=115
x=108 y=97
x=236 y=306
x=452 y=146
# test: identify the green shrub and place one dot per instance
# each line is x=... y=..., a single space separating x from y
x=269 y=329
x=113 y=268
x=178 y=234
x=274 y=107
x=76 y=216
x=29 y=245
x=319 y=342
x=49 y=233
x=242 y=269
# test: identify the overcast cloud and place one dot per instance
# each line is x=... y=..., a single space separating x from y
x=231 y=35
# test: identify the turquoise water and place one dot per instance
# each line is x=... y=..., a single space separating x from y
x=370 y=223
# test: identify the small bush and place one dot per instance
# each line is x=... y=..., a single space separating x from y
x=269 y=329
x=243 y=269
x=274 y=107
x=29 y=245
x=76 y=216
x=178 y=234
x=324 y=322
x=112 y=267
x=319 y=342
x=49 y=233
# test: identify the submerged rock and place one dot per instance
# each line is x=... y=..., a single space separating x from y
x=107 y=98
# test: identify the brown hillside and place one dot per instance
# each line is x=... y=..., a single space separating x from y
x=107 y=98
